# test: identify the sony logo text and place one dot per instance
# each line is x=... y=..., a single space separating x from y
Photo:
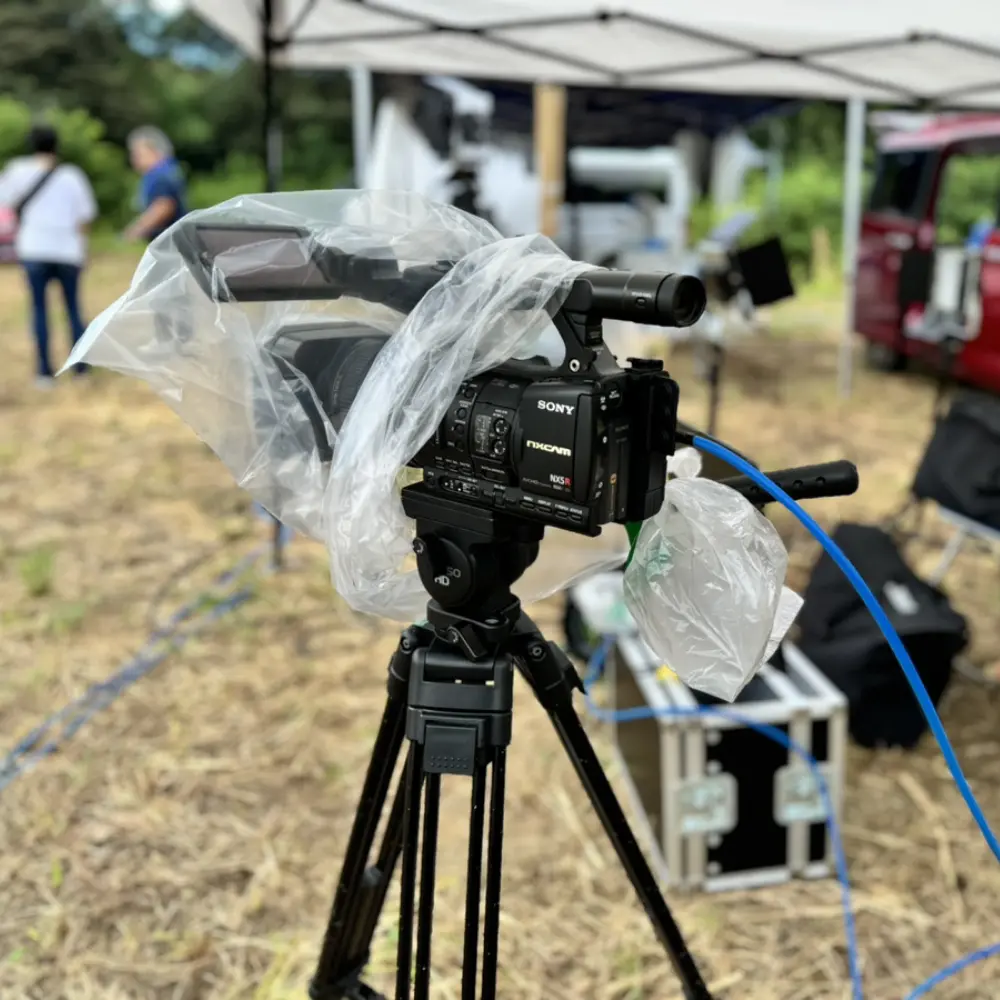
x=555 y=407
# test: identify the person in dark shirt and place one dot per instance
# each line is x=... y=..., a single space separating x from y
x=162 y=189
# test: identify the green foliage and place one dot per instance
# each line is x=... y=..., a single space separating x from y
x=73 y=53
x=15 y=121
x=242 y=174
x=969 y=192
x=811 y=197
x=701 y=221
x=66 y=617
x=38 y=570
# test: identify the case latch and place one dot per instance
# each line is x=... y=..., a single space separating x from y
x=707 y=805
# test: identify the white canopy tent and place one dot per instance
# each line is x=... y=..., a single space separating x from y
x=895 y=51
x=901 y=52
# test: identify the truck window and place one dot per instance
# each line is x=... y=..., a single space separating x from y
x=968 y=194
x=900 y=184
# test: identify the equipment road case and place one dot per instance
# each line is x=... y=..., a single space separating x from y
x=721 y=805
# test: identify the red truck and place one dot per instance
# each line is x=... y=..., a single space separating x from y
x=936 y=192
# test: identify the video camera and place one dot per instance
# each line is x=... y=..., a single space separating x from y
x=574 y=445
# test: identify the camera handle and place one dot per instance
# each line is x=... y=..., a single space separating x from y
x=450 y=695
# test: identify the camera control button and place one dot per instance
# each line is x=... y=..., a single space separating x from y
x=576 y=515
x=528 y=504
x=462 y=412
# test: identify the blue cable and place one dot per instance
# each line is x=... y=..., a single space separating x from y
x=881 y=619
x=950 y=970
x=596 y=667
x=30 y=750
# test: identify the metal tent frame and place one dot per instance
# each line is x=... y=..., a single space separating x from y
x=890 y=51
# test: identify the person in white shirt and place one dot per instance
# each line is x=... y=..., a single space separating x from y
x=55 y=204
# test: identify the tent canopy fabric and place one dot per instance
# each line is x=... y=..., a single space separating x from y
x=890 y=51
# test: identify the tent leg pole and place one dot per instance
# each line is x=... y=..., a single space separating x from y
x=267 y=88
x=362 y=117
x=271 y=139
x=854 y=156
x=550 y=154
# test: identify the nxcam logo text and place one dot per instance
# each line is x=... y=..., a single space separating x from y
x=552 y=449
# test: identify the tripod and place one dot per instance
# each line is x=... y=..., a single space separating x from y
x=450 y=693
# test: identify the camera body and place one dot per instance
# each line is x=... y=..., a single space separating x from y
x=574 y=445
x=562 y=452
x=571 y=453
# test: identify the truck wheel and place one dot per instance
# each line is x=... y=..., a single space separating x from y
x=882 y=358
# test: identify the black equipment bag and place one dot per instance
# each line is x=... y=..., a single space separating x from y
x=840 y=636
x=960 y=469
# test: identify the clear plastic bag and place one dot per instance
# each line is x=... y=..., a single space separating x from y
x=705 y=586
x=214 y=362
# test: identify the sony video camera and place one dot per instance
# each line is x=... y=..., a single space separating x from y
x=574 y=445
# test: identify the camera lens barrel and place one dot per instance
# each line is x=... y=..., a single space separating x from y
x=654 y=298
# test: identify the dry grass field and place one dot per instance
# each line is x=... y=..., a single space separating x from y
x=184 y=845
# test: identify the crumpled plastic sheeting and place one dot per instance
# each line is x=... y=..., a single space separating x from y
x=705 y=586
x=209 y=360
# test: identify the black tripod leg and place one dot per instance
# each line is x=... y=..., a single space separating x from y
x=714 y=386
x=494 y=860
x=552 y=677
x=473 y=878
x=360 y=933
x=428 y=858
x=361 y=891
x=408 y=877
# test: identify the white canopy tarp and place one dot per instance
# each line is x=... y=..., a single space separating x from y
x=893 y=51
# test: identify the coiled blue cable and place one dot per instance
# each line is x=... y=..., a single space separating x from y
x=881 y=619
x=596 y=666
x=950 y=970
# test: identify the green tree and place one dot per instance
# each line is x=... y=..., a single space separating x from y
x=73 y=53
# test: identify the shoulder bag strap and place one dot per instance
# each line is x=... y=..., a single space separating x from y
x=33 y=190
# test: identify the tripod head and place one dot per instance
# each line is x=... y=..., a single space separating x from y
x=468 y=559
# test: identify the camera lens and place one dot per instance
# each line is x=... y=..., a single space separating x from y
x=340 y=379
x=682 y=297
